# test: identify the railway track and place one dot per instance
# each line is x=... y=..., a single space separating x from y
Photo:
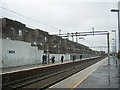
x=51 y=75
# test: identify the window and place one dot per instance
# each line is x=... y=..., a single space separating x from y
x=35 y=43
x=12 y=29
x=20 y=32
x=41 y=44
x=45 y=39
x=8 y=38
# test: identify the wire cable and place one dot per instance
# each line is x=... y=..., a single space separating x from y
x=28 y=18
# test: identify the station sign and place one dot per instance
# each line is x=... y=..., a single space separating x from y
x=11 y=51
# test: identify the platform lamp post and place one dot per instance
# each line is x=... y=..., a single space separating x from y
x=59 y=42
x=114 y=41
x=113 y=46
x=59 y=32
x=35 y=43
x=108 y=42
x=47 y=49
x=117 y=10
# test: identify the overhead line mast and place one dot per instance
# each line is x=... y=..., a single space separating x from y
x=76 y=34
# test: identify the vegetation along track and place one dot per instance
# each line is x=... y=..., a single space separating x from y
x=52 y=75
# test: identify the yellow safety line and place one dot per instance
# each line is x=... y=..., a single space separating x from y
x=74 y=75
x=85 y=77
x=64 y=79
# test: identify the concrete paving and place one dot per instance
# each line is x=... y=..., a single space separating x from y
x=98 y=76
x=106 y=76
x=74 y=80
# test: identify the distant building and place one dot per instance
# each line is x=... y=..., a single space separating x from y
x=53 y=44
x=13 y=30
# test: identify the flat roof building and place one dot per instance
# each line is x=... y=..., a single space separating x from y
x=15 y=30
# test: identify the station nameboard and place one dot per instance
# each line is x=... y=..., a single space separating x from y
x=11 y=51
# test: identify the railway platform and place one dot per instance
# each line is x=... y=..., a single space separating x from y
x=32 y=76
x=35 y=66
x=104 y=75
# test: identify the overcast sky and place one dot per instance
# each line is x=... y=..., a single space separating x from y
x=66 y=15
